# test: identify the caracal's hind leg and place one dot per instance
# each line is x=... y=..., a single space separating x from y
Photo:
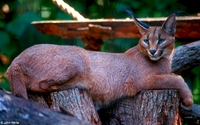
x=17 y=81
x=60 y=79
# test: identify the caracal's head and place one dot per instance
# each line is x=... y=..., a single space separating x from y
x=157 y=42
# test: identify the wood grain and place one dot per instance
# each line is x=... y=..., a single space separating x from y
x=187 y=27
x=142 y=109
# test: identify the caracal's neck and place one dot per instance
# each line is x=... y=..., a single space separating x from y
x=132 y=51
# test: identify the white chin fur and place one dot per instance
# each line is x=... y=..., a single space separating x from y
x=154 y=58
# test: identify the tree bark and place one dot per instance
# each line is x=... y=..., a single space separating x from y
x=76 y=102
x=14 y=110
x=186 y=57
x=149 y=107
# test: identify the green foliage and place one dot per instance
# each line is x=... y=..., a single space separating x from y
x=17 y=33
x=196 y=84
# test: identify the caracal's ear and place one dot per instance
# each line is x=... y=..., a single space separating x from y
x=142 y=26
x=170 y=24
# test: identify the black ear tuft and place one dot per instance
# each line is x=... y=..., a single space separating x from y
x=133 y=16
x=141 y=25
x=170 y=24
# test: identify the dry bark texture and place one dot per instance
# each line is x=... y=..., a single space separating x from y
x=76 y=102
x=149 y=107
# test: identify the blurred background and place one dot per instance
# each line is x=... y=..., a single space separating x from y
x=17 y=33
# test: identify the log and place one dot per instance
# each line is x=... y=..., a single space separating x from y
x=149 y=107
x=191 y=116
x=15 y=110
x=186 y=57
x=74 y=101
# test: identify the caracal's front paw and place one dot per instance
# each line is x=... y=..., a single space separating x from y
x=187 y=99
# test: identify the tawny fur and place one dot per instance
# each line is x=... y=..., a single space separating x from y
x=107 y=76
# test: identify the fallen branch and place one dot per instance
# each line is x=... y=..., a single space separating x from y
x=16 y=110
x=186 y=57
x=191 y=116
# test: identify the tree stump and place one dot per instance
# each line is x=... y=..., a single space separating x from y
x=76 y=102
x=149 y=107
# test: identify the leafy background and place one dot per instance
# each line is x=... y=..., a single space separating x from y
x=17 y=33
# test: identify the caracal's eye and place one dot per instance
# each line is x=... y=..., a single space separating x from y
x=160 y=41
x=146 y=41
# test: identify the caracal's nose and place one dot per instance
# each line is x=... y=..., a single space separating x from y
x=152 y=51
